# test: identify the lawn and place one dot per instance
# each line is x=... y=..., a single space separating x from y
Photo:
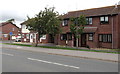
x=115 y=51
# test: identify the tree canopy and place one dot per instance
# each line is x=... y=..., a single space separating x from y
x=10 y=20
x=45 y=22
x=77 y=26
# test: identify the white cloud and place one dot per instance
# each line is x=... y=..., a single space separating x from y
x=19 y=9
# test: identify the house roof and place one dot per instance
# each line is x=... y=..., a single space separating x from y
x=93 y=12
x=5 y=23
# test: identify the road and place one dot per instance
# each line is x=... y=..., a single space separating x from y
x=27 y=61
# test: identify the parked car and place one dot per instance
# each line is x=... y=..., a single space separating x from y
x=17 y=40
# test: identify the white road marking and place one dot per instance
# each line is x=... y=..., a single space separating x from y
x=53 y=63
x=7 y=54
x=19 y=47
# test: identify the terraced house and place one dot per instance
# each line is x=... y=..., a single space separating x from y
x=101 y=31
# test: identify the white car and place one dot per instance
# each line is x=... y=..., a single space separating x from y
x=17 y=40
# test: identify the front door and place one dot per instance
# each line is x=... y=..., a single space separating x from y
x=83 y=40
x=31 y=38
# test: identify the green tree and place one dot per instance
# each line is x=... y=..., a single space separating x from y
x=11 y=20
x=77 y=26
x=45 y=22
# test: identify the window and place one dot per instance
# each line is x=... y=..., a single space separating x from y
x=63 y=36
x=23 y=26
x=23 y=35
x=100 y=38
x=44 y=36
x=34 y=35
x=76 y=21
x=89 y=21
x=104 y=20
x=65 y=22
x=5 y=35
x=13 y=29
x=27 y=36
x=90 y=37
x=105 y=37
x=69 y=36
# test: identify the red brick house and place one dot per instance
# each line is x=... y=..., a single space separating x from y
x=6 y=28
x=101 y=31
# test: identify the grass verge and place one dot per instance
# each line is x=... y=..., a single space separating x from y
x=65 y=48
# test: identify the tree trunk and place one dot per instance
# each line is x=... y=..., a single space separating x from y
x=35 y=44
x=76 y=43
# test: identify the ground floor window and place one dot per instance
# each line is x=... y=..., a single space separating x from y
x=69 y=36
x=5 y=35
x=90 y=37
x=63 y=36
x=105 y=38
x=27 y=36
x=23 y=35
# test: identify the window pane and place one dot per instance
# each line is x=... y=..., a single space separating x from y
x=23 y=26
x=101 y=18
x=90 y=37
x=76 y=22
x=27 y=36
x=90 y=20
x=106 y=18
x=106 y=39
x=65 y=22
x=87 y=20
x=109 y=38
x=100 y=37
x=103 y=38
x=5 y=35
x=63 y=36
x=22 y=35
x=69 y=36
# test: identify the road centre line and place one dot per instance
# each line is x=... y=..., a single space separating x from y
x=7 y=54
x=19 y=47
x=53 y=63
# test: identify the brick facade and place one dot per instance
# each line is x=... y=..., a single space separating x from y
x=101 y=29
x=8 y=27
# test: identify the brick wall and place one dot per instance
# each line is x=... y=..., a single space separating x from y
x=101 y=29
x=6 y=29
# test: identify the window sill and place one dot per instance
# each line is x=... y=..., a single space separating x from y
x=105 y=42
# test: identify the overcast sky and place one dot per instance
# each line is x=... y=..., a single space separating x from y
x=19 y=9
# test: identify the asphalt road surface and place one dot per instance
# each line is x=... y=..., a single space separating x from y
x=26 y=61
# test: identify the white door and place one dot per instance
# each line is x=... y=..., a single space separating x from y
x=31 y=38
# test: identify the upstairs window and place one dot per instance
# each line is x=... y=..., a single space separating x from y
x=65 y=22
x=13 y=29
x=104 y=20
x=89 y=21
x=23 y=26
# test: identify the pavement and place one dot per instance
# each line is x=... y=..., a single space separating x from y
x=82 y=54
